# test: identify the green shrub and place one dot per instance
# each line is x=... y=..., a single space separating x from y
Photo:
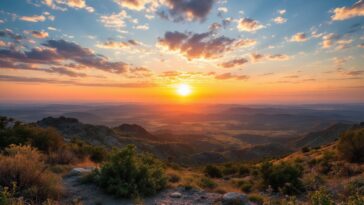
x=244 y=170
x=129 y=174
x=321 y=197
x=229 y=169
x=256 y=199
x=351 y=145
x=212 y=171
x=246 y=187
x=207 y=183
x=44 y=139
x=282 y=177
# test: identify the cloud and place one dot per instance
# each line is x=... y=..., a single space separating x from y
x=279 y=20
x=118 y=44
x=272 y=57
x=248 y=25
x=187 y=10
x=35 y=18
x=344 y=13
x=215 y=26
x=278 y=57
x=39 y=34
x=229 y=76
x=235 y=62
x=328 y=40
x=56 y=51
x=201 y=45
x=117 y=21
x=10 y=34
x=76 y=4
x=85 y=56
x=142 y=27
x=299 y=37
x=282 y=11
x=20 y=79
x=332 y=39
x=132 y=4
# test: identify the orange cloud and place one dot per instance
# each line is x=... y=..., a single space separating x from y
x=249 y=25
x=344 y=13
x=299 y=37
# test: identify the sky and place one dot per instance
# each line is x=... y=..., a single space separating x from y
x=226 y=51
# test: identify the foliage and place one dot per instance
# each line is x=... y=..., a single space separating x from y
x=23 y=169
x=244 y=170
x=82 y=149
x=257 y=199
x=207 y=183
x=44 y=139
x=351 y=145
x=129 y=174
x=282 y=177
x=321 y=197
x=212 y=171
x=229 y=169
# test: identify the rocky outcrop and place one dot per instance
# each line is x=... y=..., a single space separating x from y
x=234 y=198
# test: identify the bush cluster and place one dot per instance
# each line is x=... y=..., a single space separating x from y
x=283 y=177
x=213 y=171
x=130 y=174
x=351 y=145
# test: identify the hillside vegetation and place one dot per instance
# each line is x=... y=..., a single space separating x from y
x=34 y=161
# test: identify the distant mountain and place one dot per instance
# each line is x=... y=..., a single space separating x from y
x=72 y=128
x=326 y=136
x=134 y=130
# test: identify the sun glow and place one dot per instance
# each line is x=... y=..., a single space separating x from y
x=184 y=89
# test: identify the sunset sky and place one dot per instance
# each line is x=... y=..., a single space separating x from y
x=225 y=51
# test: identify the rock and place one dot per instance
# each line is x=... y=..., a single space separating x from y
x=79 y=171
x=175 y=195
x=234 y=198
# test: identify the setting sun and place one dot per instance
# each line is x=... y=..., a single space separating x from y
x=183 y=89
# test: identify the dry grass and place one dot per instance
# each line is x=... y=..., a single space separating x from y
x=192 y=178
x=22 y=168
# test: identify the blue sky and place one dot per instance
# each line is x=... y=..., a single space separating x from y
x=280 y=42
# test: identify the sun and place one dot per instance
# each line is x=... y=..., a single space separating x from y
x=184 y=89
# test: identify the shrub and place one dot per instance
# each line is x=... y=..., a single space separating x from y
x=212 y=171
x=356 y=199
x=44 y=139
x=129 y=174
x=246 y=187
x=229 y=169
x=207 y=183
x=283 y=177
x=82 y=150
x=23 y=169
x=351 y=145
x=305 y=149
x=321 y=197
x=174 y=178
x=244 y=170
x=256 y=199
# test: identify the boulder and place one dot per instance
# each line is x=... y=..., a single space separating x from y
x=80 y=170
x=234 y=198
x=175 y=195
